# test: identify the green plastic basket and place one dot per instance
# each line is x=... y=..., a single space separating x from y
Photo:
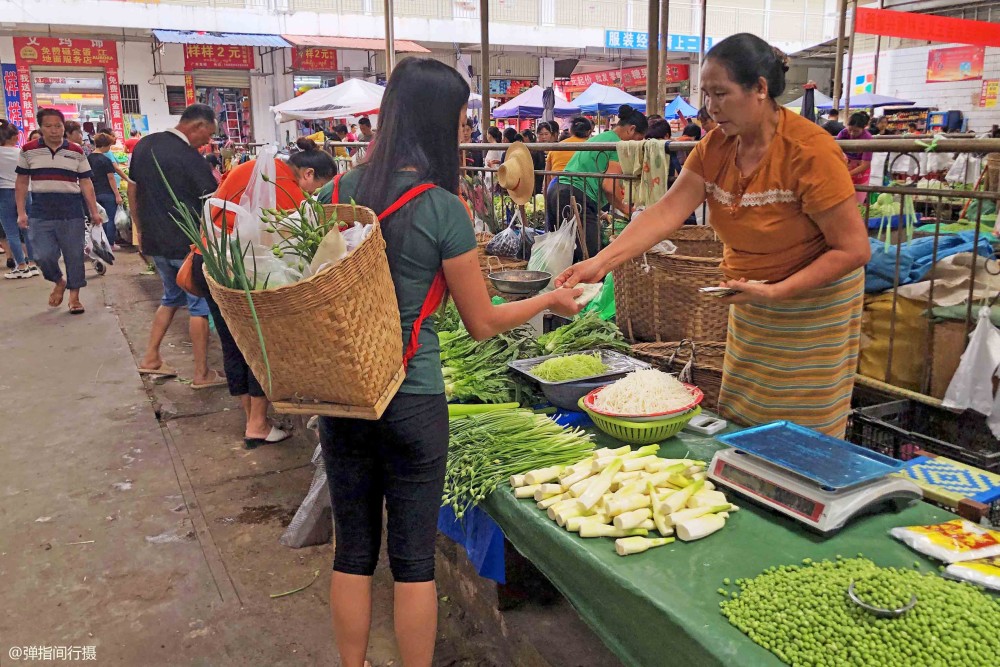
x=640 y=433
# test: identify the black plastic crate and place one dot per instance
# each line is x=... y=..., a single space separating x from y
x=900 y=428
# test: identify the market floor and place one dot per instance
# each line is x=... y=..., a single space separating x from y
x=133 y=521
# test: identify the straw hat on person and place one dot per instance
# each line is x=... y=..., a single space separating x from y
x=517 y=173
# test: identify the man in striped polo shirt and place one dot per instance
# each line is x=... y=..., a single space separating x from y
x=57 y=172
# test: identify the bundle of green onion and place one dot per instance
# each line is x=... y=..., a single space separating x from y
x=803 y=615
x=587 y=332
x=477 y=370
x=560 y=369
x=486 y=449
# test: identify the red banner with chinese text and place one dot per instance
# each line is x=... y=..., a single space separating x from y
x=215 y=56
x=27 y=98
x=927 y=27
x=962 y=63
x=115 y=103
x=189 y=94
x=29 y=51
x=313 y=59
x=630 y=77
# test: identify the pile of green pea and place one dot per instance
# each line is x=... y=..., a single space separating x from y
x=803 y=615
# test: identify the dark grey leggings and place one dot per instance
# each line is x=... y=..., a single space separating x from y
x=399 y=459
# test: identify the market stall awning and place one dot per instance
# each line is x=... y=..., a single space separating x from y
x=476 y=101
x=529 y=104
x=218 y=38
x=822 y=101
x=358 y=43
x=869 y=100
x=681 y=105
x=606 y=99
x=351 y=98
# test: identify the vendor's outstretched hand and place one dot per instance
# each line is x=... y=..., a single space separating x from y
x=563 y=301
x=587 y=271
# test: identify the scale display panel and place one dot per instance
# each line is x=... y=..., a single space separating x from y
x=827 y=461
x=758 y=486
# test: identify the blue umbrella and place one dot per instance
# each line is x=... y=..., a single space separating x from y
x=607 y=100
x=530 y=104
x=869 y=100
x=679 y=104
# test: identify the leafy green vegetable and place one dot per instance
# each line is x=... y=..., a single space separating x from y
x=477 y=370
x=560 y=369
x=588 y=332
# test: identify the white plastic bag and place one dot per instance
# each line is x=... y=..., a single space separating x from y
x=553 y=252
x=122 y=221
x=99 y=246
x=972 y=384
x=258 y=195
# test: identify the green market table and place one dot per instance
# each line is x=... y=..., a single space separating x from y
x=661 y=607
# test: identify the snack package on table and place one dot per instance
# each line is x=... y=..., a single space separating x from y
x=952 y=542
x=983 y=572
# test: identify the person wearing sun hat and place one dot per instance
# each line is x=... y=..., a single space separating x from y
x=517 y=174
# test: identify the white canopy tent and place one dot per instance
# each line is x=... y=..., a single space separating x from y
x=352 y=98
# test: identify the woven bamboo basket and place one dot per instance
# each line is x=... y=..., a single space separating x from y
x=706 y=371
x=662 y=302
x=333 y=341
x=490 y=263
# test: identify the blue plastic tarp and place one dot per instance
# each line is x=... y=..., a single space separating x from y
x=916 y=258
x=480 y=536
x=529 y=104
x=679 y=104
x=607 y=100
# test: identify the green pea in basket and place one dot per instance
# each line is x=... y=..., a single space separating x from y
x=640 y=433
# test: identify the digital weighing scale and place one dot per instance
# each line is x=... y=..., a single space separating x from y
x=816 y=479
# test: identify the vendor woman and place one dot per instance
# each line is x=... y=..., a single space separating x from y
x=781 y=199
x=410 y=180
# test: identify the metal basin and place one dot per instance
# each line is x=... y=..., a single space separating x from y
x=520 y=281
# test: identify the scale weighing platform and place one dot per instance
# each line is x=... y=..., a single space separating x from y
x=816 y=479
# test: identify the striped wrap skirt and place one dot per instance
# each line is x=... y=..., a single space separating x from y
x=795 y=360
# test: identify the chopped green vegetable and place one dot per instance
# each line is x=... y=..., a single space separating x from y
x=459 y=410
x=588 y=332
x=560 y=369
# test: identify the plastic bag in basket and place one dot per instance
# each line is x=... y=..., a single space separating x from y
x=972 y=384
x=553 y=253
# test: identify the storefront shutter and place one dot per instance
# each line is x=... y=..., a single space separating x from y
x=221 y=79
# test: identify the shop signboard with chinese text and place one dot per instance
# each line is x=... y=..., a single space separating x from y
x=189 y=92
x=314 y=59
x=115 y=103
x=12 y=99
x=27 y=98
x=509 y=87
x=630 y=39
x=216 y=56
x=926 y=27
x=629 y=77
x=988 y=95
x=961 y=63
x=49 y=51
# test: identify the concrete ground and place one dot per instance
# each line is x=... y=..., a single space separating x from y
x=133 y=521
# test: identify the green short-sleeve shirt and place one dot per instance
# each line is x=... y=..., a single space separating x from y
x=439 y=229
x=591 y=162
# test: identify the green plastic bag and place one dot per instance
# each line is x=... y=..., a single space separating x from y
x=603 y=303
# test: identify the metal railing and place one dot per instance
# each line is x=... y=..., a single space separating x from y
x=938 y=209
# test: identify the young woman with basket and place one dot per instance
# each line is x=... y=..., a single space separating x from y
x=411 y=180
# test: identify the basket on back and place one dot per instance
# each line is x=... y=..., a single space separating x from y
x=657 y=297
x=333 y=341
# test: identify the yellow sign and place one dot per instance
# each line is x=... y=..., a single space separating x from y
x=990 y=91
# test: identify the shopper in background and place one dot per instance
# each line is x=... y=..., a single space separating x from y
x=658 y=129
x=878 y=125
x=133 y=138
x=74 y=133
x=57 y=173
x=34 y=135
x=594 y=194
x=781 y=200
x=705 y=119
x=306 y=171
x=833 y=124
x=105 y=186
x=365 y=127
x=494 y=136
x=859 y=163
x=537 y=158
x=580 y=129
x=911 y=128
x=167 y=165
x=470 y=158
x=14 y=239
x=398 y=462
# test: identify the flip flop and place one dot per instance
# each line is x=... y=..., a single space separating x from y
x=219 y=381
x=276 y=435
x=78 y=309
x=163 y=371
x=53 y=302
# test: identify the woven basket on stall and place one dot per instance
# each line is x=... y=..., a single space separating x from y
x=657 y=297
x=333 y=340
x=706 y=371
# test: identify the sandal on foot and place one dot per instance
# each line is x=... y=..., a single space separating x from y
x=276 y=435
x=55 y=302
x=76 y=309
x=218 y=381
x=163 y=371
